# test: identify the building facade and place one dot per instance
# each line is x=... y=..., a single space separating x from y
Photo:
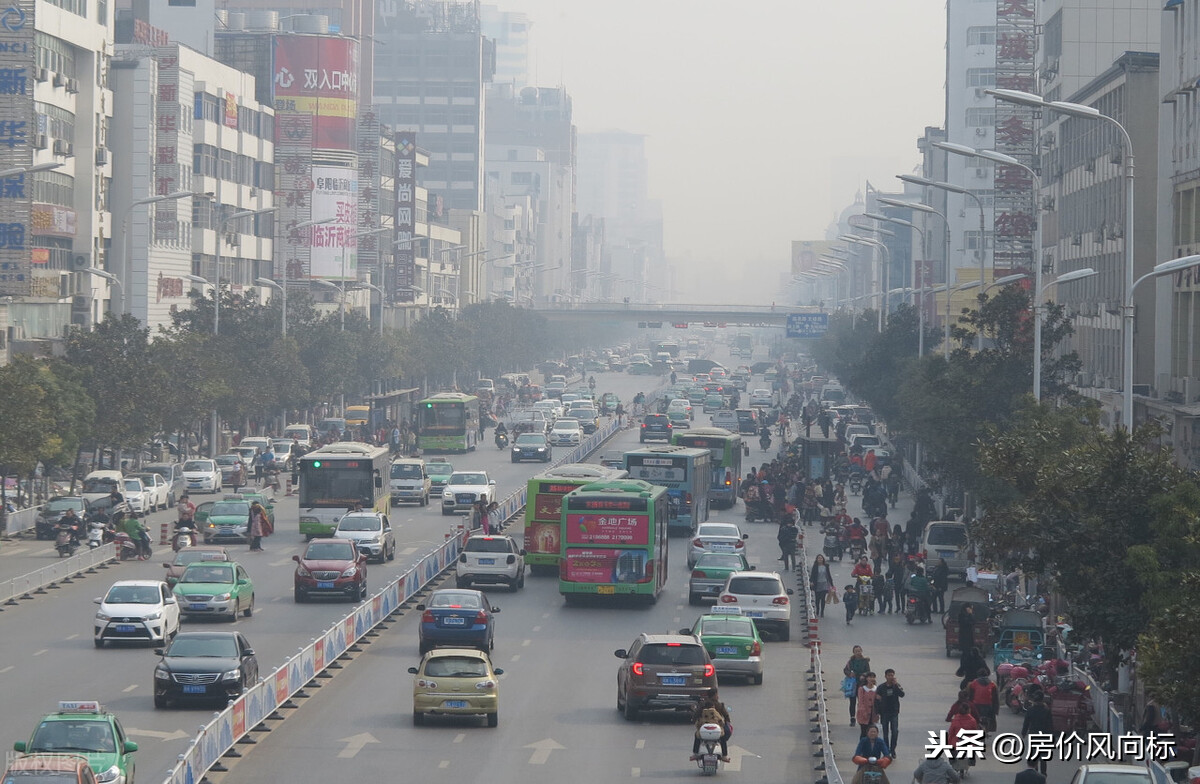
x=510 y=32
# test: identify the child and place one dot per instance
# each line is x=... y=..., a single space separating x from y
x=850 y=600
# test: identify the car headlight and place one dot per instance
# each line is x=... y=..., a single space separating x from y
x=447 y=494
x=162 y=673
x=232 y=675
x=541 y=449
x=350 y=571
x=112 y=774
x=223 y=597
x=102 y=617
x=154 y=616
x=302 y=572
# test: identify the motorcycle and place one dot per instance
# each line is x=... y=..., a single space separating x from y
x=855 y=483
x=127 y=549
x=184 y=537
x=501 y=440
x=912 y=609
x=65 y=542
x=710 y=736
x=96 y=533
x=833 y=545
x=857 y=549
x=764 y=442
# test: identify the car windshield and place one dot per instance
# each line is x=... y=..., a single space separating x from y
x=655 y=419
x=567 y=424
x=943 y=535
x=99 y=485
x=531 y=439
x=492 y=544
x=230 y=509
x=468 y=479
x=360 y=523
x=720 y=561
x=198 y=465
x=329 y=551
x=228 y=460
x=208 y=573
x=718 y=530
x=756 y=586
x=133 y=485
x=673 y=655
x=456 y=667
x=456 y=600
x=63 y=504
x=190 y=555
x=731 y=627
x=74 y=735
x=439 y=469
x=133 y=594
x=406 y=471
x=203 y=647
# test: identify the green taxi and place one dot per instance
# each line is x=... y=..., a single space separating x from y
x=732 y=643
x=228 y=520
x=439 y=472
x=710 y=573
x=214 y=588
x=84 y=728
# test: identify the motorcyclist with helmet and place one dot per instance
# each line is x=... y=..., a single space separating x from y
x=501 y=435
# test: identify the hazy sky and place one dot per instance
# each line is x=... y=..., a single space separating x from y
x=764 y=117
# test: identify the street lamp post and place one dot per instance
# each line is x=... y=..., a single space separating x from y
x=925 y=208
x=915 y=285
x=111 y=278
x=283 y=287
x=125 y=235
x=1067 y=277
x=18 y=170
x=884 y=278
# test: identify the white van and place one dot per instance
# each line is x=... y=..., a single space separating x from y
x=99 y=484
x=303 y=433
x=947 y=539
x=410 y=482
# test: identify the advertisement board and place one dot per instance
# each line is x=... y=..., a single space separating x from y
x=605 y=566
x=318 y=76
x=334 y=251
x=608 y=529
x=404 y=255
x=17 y=133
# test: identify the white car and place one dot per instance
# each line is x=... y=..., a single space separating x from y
x=552 y=409
x=248 y=455
x=371 y=533
x=716 y=538
x=762 y=397
x=491 y=559
x=726 y=419
x=158 y=495
x=464 y=488
x=566 y=432
x=681 y=404
x=135 y=495
x=202 y=476
x=762 y=597
x=136 y=610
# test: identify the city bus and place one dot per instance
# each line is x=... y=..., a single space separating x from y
x=337 y=476
x=543 y=508
x=684 y=471
x=614 y=540
x=448 y=422
x=726 y=466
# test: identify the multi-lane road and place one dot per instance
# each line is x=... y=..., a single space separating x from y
x=46 y=651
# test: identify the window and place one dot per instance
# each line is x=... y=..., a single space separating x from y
x=54 y=54
x=182 y=3
x=981 y=36
x=522 y=178
x=981 y=77
x=74 y=6
x=971 y=239
x=981 y=117
x=55 y=122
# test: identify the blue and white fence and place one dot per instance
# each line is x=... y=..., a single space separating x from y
x=58 y=571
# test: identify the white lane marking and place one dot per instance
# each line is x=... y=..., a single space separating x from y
x=39 y=653
x=516 y=657
x=675 y=621
x=526 y=643
x=635 y=773
x=16 y=551
x=545 y=615
x=444 y=764
x=459 y=737
x=72 y=636
x=128 y=689
x=408 y=551
x=641 y=744
x=282 y=561
x=277 y=598
x=537 y=628
x=6 y=669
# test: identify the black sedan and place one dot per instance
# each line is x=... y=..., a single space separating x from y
x=204 y=666
x=531 y=446
x=52 y=511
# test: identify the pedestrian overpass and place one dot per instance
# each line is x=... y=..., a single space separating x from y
x=671 y=314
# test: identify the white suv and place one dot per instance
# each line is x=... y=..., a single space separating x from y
x=136 y=610
x=491 y=559
x=762 y=597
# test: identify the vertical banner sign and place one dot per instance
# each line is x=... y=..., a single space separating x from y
x=404 y=256
x=1016 y=212
x=16 y=144
x=167 y=175
x=370 y=153
x=334 y=252
x=293 y=194
x=318 y=76
x=231 y=110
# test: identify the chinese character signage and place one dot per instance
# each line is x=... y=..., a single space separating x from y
x=1015 y=215
x=334 y=253
x=168 y=177
x=404 y=256
x=370 y=176
x=231 y=110
x=16 y=145
x=317 y=76
x=807 y=325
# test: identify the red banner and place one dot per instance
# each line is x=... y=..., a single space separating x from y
x=318 y=76
x=619 y=529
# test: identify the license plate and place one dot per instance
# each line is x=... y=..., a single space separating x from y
x=325 y=584
x=947 y=553
x=753 y=614
x=726 y=650
x=126 y=627
x=465 y=499
x=194 y=689
x=197 y=606
x=606 y=589
x=487 y=561
x=722 y=548
x=454 y=704
x=226 y=532
x=674 y=680
x=453 y=621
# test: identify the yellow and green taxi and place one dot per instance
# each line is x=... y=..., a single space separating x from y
x=84 y=728
x=711 y=572
x=228 y=520
x=732 y=643
x=456 y=682
x=214 y=588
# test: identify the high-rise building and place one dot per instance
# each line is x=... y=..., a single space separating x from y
x=55 y=106
x=510 y=32
x=432 y=63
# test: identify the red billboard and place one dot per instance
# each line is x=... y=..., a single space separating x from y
x=605 y=566
x=608 y=529
x=318 y=76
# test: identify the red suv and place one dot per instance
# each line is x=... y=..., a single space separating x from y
x=330 y=567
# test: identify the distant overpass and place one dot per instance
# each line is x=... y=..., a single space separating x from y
x=672 y=313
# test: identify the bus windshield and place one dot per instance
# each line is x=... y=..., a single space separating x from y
x=443 y=418
x=336 y=485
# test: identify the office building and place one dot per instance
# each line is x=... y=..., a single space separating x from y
x=510 y=32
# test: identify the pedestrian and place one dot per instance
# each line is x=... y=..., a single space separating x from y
x=237 y=477
x=257 y=526
x=1037 y=719
x=1034 y=773
x=939 y=581
x=866 y=711
x=964 y=698
x=986 y=699
x=896 y=576
x=890 y=693
x=935 y=770
x=821 y=581
x=850 y=601
x=788 y=532
x=970 y=665
x=489 y=519
x=966 y=635
x=856 y=667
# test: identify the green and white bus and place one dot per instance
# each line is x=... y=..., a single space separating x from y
x=448 y=422
x=543 y=508
x=336 y=477
x=684 y=471
x=614 y=540
x=725 y=448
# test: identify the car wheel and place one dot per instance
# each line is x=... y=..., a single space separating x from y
x=693 y=599
x=631 y=710
x=237 y=609
x=392 y=553
x=98 y=642
x=298 y=596
x=461 y=582
x=785 y=633
x=160 y=701
x=249 y=611
x=362 y=591
x=418 y=719
x=493 y=719
x=425 y=500
x=515 y=460
x=756 y=679
x=521 y=579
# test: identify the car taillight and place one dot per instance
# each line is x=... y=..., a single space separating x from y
x=481 y=616
x=687 y=498
x=779 y=600
x=697 y=542
x=427 y=616
x=512 y=559
x=709 y=670
x=924 y=554
x=698 y=575
x=738 y=543
x=643 y=426
x=638 y=669
x=756 y=649
x=728 y=598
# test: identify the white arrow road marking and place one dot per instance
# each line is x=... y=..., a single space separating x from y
x=459 y=737
x=163 y=736
x=735 y=758
x=128 y=689
x=282 y=561
x=635 y=773
x=641 y=744
x=542 y=749
x=6 y=669
x=444 y=764
x=355 y=744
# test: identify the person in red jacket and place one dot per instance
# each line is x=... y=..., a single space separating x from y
x=862 y=568
x=986 y=699
x=963 y=720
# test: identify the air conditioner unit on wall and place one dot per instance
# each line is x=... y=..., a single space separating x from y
x=40 y=74
x=981 y=92
x=72 y=86
x=63 y=147
x=60 y=80
x=981 y=173
x=981 y=131
x=40 y=142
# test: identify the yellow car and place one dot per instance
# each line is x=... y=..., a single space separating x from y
x=456 y=682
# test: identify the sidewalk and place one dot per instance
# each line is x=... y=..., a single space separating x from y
x=917 y=654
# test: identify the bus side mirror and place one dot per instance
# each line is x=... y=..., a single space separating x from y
x=378 y=480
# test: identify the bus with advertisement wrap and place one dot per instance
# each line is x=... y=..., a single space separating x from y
x=684 y=471
x=337 y=476
x=614 y=540
x=726 y=467
x=448 y=422
x=543 y=509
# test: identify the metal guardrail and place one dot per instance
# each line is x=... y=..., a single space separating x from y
x=820 y=721
x=20 y=520
x=61 y=570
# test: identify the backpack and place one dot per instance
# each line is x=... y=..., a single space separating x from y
x=711 y=715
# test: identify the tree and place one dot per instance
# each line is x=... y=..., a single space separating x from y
x=28 y=433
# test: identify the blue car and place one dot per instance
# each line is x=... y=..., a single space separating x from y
x=459 y=618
